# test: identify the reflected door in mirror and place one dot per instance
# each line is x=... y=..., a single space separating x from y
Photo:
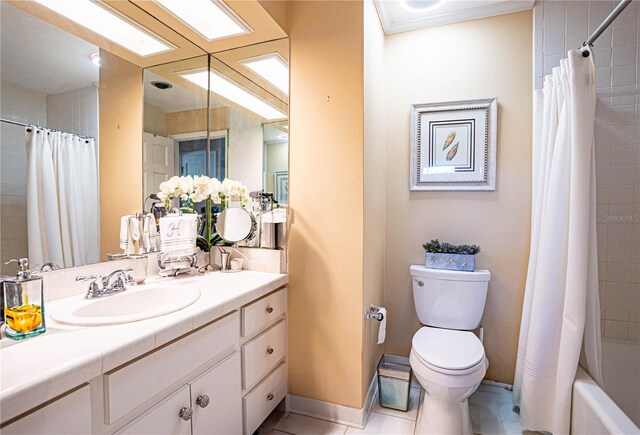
x=158 y=161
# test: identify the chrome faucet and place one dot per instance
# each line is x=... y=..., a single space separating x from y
x=108 y=285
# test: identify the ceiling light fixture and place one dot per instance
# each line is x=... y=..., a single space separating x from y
x=271 y=67
x=95 y=58
x=109 y=24
x=212 y=19
x=231 y=91
x=421 y=5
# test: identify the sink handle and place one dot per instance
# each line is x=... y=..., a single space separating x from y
x=84 y=278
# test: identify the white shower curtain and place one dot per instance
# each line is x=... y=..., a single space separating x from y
x=560 y=318
x=62 y=198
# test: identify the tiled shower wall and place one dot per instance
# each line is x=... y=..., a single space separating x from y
x=74 y=111
x=559 y=27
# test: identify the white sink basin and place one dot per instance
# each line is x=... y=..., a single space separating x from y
x=136 y=303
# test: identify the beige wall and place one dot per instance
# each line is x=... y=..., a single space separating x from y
x=189 y=121
x=120 y=114
x=475 y=59
x=326 y=196
x=279 y=11
x=154 y=120
x=374 y=186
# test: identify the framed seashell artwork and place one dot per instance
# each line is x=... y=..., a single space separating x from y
x=453 y=145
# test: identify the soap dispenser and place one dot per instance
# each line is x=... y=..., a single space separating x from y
x=23 y=303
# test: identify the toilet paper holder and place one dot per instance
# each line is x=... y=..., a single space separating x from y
x=374 y=313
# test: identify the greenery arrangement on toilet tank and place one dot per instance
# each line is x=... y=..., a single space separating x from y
x=437 y=247
x=443 y=255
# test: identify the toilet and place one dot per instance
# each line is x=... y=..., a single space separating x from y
x=446 y=357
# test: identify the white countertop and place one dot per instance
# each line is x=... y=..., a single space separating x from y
x=40 y=368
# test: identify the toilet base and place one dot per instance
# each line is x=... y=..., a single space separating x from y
x=444 y=417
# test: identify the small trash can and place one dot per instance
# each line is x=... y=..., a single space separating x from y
x=394 y=382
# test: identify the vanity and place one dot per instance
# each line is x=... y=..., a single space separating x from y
x=218 y=365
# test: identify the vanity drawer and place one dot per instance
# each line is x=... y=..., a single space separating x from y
x=134 y=384
x=259 y=403
x=262 y=354
x=259 y=313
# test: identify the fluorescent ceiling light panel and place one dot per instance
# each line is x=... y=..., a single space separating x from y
x=210 y=18
x=109 y=24
x=231 y=91
x=271 y=67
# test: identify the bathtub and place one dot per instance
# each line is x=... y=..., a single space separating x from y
x=593 y=412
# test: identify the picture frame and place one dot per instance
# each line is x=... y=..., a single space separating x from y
x=453 y=145
x=281 y=186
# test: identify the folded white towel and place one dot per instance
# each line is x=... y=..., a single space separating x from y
x=126 y=240
x=178 y=233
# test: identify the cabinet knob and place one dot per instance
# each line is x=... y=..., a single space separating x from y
x=269 y=350
x=269 y=310
x=270 y=397
x=202 y=401
x=185 y=413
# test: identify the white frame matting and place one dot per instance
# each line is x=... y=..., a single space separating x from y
x=453 y=145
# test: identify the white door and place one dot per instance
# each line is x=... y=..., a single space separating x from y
x=157 y=161
x=216 y=397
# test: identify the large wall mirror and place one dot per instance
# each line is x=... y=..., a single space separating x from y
x=245 y=137
x=86 y=116
x=49 y=143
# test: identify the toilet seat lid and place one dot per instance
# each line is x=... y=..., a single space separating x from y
x=448 y=349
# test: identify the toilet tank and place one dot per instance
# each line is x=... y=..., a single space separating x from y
x=449 y=298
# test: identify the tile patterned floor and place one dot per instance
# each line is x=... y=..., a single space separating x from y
x=490 y=407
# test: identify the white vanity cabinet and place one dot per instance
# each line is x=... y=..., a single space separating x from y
x=224 y=378
x=70 y=414
x=210 y=404
x=216 y=399
x=167 y=417
x=264 y=352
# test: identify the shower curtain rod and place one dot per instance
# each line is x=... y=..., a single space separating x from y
x=22 y=124
x=603 y=26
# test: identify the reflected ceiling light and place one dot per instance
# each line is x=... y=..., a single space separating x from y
x=231 y=91
x=421 y=5
x=271 y=67
x=95 y=58
x=212 y=19
x=109 y=24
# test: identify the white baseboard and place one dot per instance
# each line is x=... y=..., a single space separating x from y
x=356 y=417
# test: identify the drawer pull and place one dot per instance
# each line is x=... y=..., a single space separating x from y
x=202 y=401
x=185 y=413
x=270 y=350
x=269 y=310
x=270 y=397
